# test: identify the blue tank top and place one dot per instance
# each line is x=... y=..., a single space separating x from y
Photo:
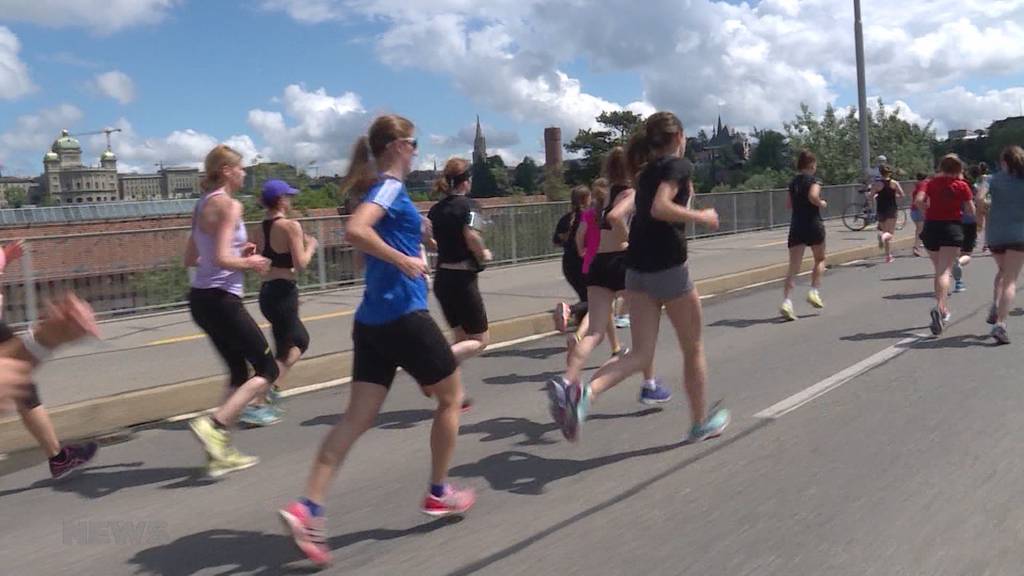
x=208 y=274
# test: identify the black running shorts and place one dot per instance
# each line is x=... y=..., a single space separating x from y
x=412 y=342
x=608 y=271
x=939 y=233
x=459 y=295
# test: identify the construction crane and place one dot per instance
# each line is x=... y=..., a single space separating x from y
x=106 y=131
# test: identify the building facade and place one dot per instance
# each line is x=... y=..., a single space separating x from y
x=67 y=181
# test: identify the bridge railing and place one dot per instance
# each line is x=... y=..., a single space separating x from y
x=137 y=271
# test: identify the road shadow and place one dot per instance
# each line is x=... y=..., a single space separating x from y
x=532 y=353
x=904 y=278
x=396 y=420
x=962 y=341
x=100 y=481
x=865 y=265
x=741 y=323
x=534 y=433
x=914 y=296
x=229 y=552
x=528 y=474
x=516 y=378
x=1017 y=312
x=897 y=334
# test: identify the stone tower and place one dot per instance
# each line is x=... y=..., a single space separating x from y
x=553 y=148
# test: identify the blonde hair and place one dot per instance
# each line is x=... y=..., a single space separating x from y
x=453 y=169
x=580 y=198
x=599 y=194
x=219 y=158
x=362 y=170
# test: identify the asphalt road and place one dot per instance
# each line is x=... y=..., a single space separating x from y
x=911 y=465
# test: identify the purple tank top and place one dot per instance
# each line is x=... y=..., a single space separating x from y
x=208 y=274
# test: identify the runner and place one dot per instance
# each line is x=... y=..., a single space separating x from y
x=219 y=249
x=983 y=202
x=886 y=193
x=1005 y=236
x=392 y=329
x=916 y=214
x=572 y=262
x=587 y=240
x=806 y=229
x=657 y=276
x=606 y=238
x=970 y=222
x=461 y=255
x=289 y=252
x=67 y=321
x=944 y=201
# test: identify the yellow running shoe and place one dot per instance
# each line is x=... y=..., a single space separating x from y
x=231 y=461
x=814 y=299
x=214 y=440
x=787 y=310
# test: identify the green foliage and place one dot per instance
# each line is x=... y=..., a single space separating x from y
x=766 y=179
x=16 y=197
x=593 y=145
x=485 y=185
x=772 y=152
x=527 y=176
x=554 y=186
x=162 y=285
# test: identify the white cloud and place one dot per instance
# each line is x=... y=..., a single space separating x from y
x=322 y=127
x=22 y=146
x=959 y=108
x=14 y=78
x=100 y=16
x=466 y=136
x=115 y=84
x=308 y=11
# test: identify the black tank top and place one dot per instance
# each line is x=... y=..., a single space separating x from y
x=886 y=196
x=616 y=190
x=804 y=212
x=277 y=259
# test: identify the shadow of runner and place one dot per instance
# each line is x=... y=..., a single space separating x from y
x=898 y=334
x=914 y=296
x=508 y=427
x=962 y=341
x=532 y=353
x=100 y=481
x=252 y=553
x=523 y=473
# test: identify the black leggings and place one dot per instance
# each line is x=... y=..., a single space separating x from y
x=279 y=303
x=572 y=269
x=235 y=335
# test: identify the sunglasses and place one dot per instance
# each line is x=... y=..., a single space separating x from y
x=411 y=141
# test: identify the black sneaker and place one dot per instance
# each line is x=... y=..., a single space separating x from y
x=999 y=333
x=72 y=457
x=993 y=315
x=936 y=325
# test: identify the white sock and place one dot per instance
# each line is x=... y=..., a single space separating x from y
x=650 y=384
x=787 y=302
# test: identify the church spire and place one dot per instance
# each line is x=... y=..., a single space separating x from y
x=719 y=129
x=479 y=144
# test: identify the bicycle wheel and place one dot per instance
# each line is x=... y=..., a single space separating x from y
x=853 y=217
x=901 y=218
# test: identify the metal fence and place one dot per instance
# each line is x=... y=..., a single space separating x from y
x=130 y=272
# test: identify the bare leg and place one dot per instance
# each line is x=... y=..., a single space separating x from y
x=363 y=406
x=646 y=315
x=37 y=421
x=796 y=258
x=239 y=398
x=469 y=345
x=600 y=307
x=819 y=265
x=1013 y=261
x=686 y=316
x=445 y=430
x=943 y=262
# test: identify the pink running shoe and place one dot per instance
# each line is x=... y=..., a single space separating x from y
x=454 y=502
x=308 y=532
x=71 y=457
x=890 y=259
x=562 y=317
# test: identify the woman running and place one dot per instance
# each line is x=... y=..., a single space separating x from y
x=656 y=277
x=461 y=255
x=289 y=252
x=886 y=193
x=944 y=201
x=605 y=267
x=1005 y=236
x=916 y=214
x=982 y=200
x=587 y=241
x=392 y=329
x=572 y=261
x=219 y=249
x=806 y=229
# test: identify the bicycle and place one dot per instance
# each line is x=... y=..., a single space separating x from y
x=859 y=215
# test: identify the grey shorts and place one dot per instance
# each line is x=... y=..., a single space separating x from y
x=663 y=285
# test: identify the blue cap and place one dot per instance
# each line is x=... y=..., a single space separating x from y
x=273 y=190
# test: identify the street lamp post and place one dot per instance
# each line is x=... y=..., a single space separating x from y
x=862 y=95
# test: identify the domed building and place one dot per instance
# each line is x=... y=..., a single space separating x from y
x=67 y=181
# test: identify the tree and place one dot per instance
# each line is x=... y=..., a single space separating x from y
x=527 y=175
x=484 y=183
x=15 y=197
x=554 y=185
x=593 y=145
x=772 y=152
x=499 y=174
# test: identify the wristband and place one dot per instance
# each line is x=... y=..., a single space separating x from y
x=38 y=351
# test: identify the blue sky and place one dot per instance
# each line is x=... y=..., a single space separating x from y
x=192 y=73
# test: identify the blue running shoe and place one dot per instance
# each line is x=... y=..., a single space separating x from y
x=556 y=389
x=259 y=416
x=717 y=422
x=657 y=395
x=958 y=271
x=959 y=287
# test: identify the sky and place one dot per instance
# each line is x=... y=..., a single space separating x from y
x=298 y=80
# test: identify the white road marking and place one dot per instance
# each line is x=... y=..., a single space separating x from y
x=836 y=380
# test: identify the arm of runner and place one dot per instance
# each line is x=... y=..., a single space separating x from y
x=814 y=195
x=476 y=245
x=666 y=210
x=191 y=253
x=302 y=246
x=625 y=206
x=361 y=235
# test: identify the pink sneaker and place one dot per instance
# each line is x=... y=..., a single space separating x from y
x=308 y=532
x=455 y=501
x=890 y=259
x=562 y=317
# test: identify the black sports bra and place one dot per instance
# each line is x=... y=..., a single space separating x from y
x=616 y=190
x=277 y=259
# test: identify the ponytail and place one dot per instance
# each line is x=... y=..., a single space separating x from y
x=362 y=173
x=456 y=171
x=638 y=151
